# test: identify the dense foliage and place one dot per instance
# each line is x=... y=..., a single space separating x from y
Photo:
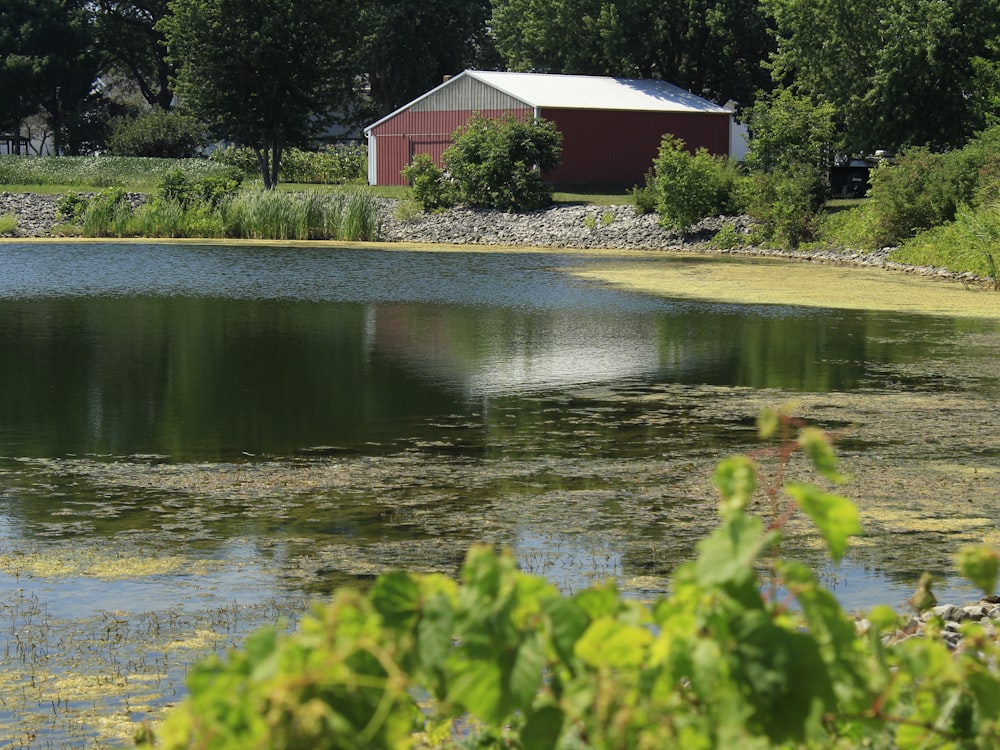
x=898 y=72
x=264 y=74
x=330 y=165
x=48 y=64
x=412 y=44
x=157 y=133
x=495 y=163
x=750 y=650
x=136 y=50
x=711 y=47
x=939 y=206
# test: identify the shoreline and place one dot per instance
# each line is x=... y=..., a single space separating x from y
x=558 y=227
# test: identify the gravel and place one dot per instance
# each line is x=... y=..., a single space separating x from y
x=563 y=226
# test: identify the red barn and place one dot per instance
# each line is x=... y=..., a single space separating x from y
x=611 y=127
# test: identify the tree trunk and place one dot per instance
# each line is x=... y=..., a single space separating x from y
x=275 y=164
x=264 y=162
x=269 y=159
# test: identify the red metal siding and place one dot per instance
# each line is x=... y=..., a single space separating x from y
x=399 y=138
x=617 y=148
x=599 y=146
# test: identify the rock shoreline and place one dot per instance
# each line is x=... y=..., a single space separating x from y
x=560 y=226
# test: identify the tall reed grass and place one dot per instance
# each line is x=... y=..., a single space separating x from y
x=252 y=215
x=8 y=225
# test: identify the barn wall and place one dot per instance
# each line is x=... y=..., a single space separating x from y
x=617 y=148
x=399 y=139
x=599 y=146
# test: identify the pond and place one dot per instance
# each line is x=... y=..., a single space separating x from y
x=198 y=439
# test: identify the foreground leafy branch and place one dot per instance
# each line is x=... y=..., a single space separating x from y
x=749 y=651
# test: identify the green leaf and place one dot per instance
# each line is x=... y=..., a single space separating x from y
x=598 y=601
x=526 y=672
x=569 y=622
x=736 y=480
x=783 y=675
x=980 y=565
x=834 y=516
x=477 y=686
x=542 y=729
x=727 y=556
x=434 y=632
x=396 y=596
x=816 y=444
x=614 y=644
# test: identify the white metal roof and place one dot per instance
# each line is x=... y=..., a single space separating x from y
x=595 y=92
x=556 y=91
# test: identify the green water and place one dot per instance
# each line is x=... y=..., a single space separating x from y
x=285 y=421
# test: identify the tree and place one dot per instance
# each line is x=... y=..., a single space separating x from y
x=789 y=130
x=413 y=44
x=267 y=74
x=129 y=36
x=711 y=47
x=48 y=65
x=898 y=72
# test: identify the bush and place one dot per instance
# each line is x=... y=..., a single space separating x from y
x=750 y=650
x=785 y=204
x=499 y=163
x=157 y=133
x=690 y=187
x=970 y=243
x=176 y=186
x=431 y=189
x=644 y=197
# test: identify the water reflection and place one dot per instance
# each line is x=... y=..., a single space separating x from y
x=297 y=419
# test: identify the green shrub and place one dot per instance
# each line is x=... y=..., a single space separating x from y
x=728 y=237
x=690 y=187
x=240 y=157
x=70 y=206
x=784 y=203
x=851 y=228
x=644 y=197
x=157 y=133
x=499 y=163
x=970 y=243
x=430 y=187
x=750 y=650
x=8 y=225
x=177 y=186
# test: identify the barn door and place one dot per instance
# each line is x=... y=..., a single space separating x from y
x=432 y=144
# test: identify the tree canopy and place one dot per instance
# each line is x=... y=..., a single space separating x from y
x=413 y=44
x=48 y=65
x=129 y=37
x=897 y=72
x=711 y=47
x=268 y=74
